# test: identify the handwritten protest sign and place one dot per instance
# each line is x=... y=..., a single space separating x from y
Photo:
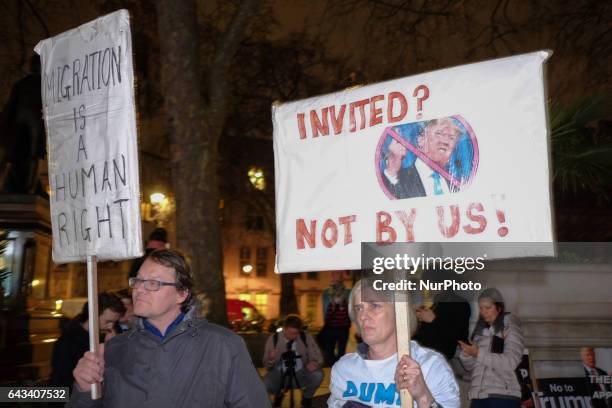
x=456 y=155
x=89 y=111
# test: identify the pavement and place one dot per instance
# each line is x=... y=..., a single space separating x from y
x=320 y=397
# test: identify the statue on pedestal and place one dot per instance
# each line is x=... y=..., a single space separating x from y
x=22 y=135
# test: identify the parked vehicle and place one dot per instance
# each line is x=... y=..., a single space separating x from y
x=244 y=317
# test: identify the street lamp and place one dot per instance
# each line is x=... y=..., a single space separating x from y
x=158 y=210
x=257 y=178
x=158 y=198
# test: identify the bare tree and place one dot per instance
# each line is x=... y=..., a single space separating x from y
x=288 y=69
x=196 y=109
x=403 y=37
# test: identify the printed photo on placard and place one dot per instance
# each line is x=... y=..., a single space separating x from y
x=427 y=158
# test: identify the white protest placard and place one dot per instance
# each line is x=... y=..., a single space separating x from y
x=456 y=155
x=89 y=112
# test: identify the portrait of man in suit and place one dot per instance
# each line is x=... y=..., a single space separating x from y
x=421 y=165
x=395 y=176
x=595 y=378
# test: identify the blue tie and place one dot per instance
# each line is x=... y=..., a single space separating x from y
x=437 y=183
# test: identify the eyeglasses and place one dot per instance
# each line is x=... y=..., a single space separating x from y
x=151 y=285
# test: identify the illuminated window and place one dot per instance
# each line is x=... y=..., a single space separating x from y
x=312 y=304
x=256 y=177
x=261 y=303
x=247 y=312
x=245 y=296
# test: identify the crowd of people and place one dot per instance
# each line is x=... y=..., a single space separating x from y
x=156 y=351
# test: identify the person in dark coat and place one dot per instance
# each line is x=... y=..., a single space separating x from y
x=337 y=324
x=172 y=358
x=442 y=326
x=74 y=340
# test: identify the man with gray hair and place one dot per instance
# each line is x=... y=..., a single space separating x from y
x=373 y=377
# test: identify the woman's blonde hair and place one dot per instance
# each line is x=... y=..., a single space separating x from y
x=356 y=290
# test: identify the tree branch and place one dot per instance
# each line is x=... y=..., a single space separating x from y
x=218 y=83
x=38 y=17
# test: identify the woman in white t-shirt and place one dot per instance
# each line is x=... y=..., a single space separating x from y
x=373 y=377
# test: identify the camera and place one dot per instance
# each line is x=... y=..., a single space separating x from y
x=288 y=362
x=289 y=358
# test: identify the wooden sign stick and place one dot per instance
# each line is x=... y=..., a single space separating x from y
x=94 y=330
x=402 y=327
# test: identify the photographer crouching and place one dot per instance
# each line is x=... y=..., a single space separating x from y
x=293 y=360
